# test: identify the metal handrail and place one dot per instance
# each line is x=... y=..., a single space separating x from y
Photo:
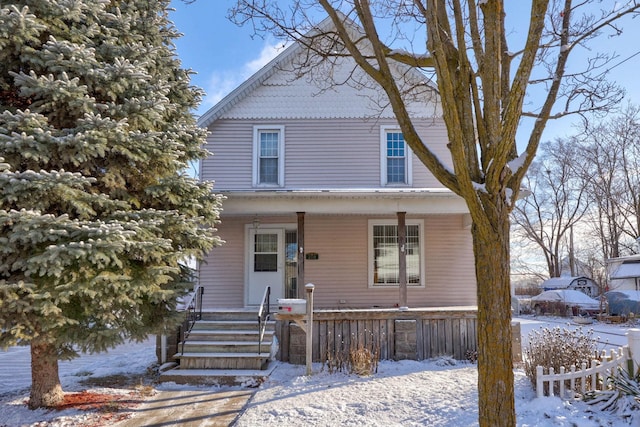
x=192 y=314
x=263 y=316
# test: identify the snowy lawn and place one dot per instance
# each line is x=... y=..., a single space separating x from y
x=438 y=392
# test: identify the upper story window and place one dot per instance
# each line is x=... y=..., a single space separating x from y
x=395 y=158
x=268 y=155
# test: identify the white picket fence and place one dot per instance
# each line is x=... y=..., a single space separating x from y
x=592 y=376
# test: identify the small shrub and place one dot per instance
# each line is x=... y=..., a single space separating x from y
x=336 y=361
x=556 y=347
x=621 y=395
x=555 y=308
x=529 y=289
x=472 y=356
x=363 y=361
x=357 y=359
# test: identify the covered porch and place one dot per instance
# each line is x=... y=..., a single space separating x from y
x=362 y=249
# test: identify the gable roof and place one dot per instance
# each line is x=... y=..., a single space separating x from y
x=277 y=95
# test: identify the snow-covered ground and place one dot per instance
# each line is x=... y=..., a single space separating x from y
x=15 y=380
x=438 y=392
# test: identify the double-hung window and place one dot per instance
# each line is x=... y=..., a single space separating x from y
x=395 y=157
x=384 y=253
x=268 y=155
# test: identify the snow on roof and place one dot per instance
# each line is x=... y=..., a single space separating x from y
x=576 y=296
x=627 y=270
x=628 y=258
x=566 y=295
x=561 y=282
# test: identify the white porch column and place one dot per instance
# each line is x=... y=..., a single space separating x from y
x=634 y=347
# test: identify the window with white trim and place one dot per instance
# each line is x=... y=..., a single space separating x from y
x=268 y=156
x=384 y=253
x=395 y=157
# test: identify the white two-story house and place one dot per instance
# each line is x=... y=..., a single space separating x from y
x=320 y=187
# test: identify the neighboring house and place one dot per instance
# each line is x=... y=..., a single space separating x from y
x=316 y=181
x=580 y=283
x=624 y=273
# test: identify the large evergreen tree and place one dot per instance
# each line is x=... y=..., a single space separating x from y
x=97 y=215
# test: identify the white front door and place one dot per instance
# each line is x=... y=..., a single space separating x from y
x=266 y=264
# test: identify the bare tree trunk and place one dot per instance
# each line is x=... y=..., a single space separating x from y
x=495 y=370
x=46 y=389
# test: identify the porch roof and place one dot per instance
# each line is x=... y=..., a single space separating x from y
x=344 y=201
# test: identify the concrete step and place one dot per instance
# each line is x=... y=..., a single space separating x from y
x=245 y=377
x=229 y=335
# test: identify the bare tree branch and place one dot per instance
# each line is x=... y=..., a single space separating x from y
x=482 y=100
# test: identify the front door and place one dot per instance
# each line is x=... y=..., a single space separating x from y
x=266 y=264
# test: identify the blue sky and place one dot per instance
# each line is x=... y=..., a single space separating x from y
x=224 y=55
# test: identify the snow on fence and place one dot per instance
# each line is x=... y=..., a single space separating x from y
x=592 y=377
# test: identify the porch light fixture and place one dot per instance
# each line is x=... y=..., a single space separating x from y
x=256 y=223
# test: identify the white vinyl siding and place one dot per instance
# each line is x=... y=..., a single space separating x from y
x=341 y=271
x=222 y=271
x=268 y=156
x=318 y=155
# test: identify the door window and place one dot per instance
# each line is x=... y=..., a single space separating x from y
x=265 y=252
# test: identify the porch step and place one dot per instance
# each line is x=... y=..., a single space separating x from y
x=231 y=325
x=223 y=348
x=245 y=377
x=223 y=360
x=229 y=335
x=249 y=314
x=241 y=347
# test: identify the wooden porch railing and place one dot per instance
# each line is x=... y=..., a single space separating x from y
x=415 y=334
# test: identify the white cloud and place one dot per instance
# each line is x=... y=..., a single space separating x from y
x=221 y=83
x=269 y=51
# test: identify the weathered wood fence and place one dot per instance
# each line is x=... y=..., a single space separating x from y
x=414 y=334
